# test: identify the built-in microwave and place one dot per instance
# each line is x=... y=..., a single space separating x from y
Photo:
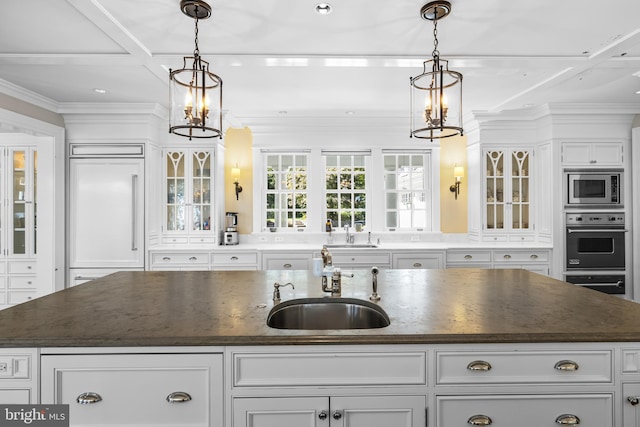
x=594 y=188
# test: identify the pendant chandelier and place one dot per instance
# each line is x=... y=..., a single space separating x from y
x=436 y=94
x=195 y=92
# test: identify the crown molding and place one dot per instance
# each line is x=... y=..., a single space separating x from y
x=26 y=95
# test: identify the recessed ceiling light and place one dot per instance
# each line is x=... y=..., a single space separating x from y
x=283 y=112
x=99 y=90
x=349 y=113
x=323 y=8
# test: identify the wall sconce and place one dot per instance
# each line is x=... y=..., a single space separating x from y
x=235 y=173
x=458 y=173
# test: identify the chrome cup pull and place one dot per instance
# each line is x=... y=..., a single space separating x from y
x=566 y=365
x=178 y=397
x=88 y=398
x=480 y=420
x=568 y=420
x=479 y=365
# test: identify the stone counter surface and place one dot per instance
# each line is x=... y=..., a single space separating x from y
x=207 y=308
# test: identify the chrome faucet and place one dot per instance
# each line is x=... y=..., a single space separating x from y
x=374 y=277
x=329 y=272
x=276 y=291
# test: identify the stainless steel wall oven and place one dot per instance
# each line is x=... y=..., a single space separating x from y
x=595 y=250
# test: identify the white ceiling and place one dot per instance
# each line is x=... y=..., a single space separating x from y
x=279 y=55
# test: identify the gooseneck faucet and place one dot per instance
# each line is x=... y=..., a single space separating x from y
x=276 y=291
x=329 y=272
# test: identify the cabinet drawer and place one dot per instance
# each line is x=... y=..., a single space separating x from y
x=379 y=259
x=525 y=410
x=525 y=256
x=347 y=369
x=417 y=262
x=288 y=263
x=15 y=396
x=22 y=282
x=175 y=240
x=22 y=267
x=182 y=258
x=18 y=297
x=523 y=367
x=469 y=257
x=202 y=239
x=235 y=258
x=136 y=389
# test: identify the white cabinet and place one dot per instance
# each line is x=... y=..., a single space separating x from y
x=106 y=213
x=179 y=260
x=507 y=194
x=366 y=258
x=335 y=411
x=188 y=190
x=535 y=260
x=18 y=216
x=469 y=258
x=592 y=154
x=18 y=376
x=136 y=389
x=418 y=259
x=288 y=260
x=235 y=260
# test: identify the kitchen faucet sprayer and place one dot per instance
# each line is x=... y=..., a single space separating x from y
x=374 y=277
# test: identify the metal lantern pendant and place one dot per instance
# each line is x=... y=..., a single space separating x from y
x=196 y=93
x=436 y=94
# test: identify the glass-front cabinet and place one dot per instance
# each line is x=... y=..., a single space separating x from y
x=507 y=200
x=188 y=195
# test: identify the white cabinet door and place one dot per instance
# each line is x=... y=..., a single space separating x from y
x=343 y=411
x=378 y=411
x=631 y=408
x=281 y=411
x=106 y=213
x=592 y=154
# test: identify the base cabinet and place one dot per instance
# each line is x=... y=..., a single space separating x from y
x=525 y=410
x=136 y=389
x=335 y=411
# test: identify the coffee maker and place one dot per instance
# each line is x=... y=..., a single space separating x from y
x=230 y=235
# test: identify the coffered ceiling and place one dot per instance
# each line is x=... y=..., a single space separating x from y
x=279 y=57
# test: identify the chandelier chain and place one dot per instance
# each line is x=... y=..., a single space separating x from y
x=196 y=51
x=435 y=52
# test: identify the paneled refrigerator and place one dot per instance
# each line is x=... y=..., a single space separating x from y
x=106 y=217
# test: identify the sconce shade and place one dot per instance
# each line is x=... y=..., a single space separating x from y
x=458 y=172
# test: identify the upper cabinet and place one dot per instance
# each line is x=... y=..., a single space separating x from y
x=22 y=175
x=592 y=154
x=507 y=189
x=188 y=209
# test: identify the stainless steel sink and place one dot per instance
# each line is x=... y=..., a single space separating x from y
x=327 y=313
x=350 y=245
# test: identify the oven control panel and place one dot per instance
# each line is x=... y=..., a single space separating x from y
x=596 y=218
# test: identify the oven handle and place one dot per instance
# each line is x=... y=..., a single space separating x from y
x=618 y=284
x=596 y=230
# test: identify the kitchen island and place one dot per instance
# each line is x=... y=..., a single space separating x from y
x=471 y=346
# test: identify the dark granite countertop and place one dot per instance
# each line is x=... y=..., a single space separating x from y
x=213 y=308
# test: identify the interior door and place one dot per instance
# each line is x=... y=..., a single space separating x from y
x=106 y=213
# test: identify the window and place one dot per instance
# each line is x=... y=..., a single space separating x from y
x=407 y=205
x=286 y=190
x=345 y=179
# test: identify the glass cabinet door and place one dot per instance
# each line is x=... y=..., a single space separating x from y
x=23 y=196
x=176 y=203
x=520 y=190
x=188 y=190
x=201 y=189
x=494 y=161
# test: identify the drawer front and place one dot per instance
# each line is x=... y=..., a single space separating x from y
x=347 y=369
x=526 y=256
x=286 y=264
x=175 y=240
x=525 y=410
x=188 y=258
x=22 y=282
x=135 y=389
x=202 y=239
x=523 y=367
x=15 y=397
x=360 y=258
x=18 y=297
x=235 y=258
x=417 y=262
x=470 y=257
x=22 y=267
